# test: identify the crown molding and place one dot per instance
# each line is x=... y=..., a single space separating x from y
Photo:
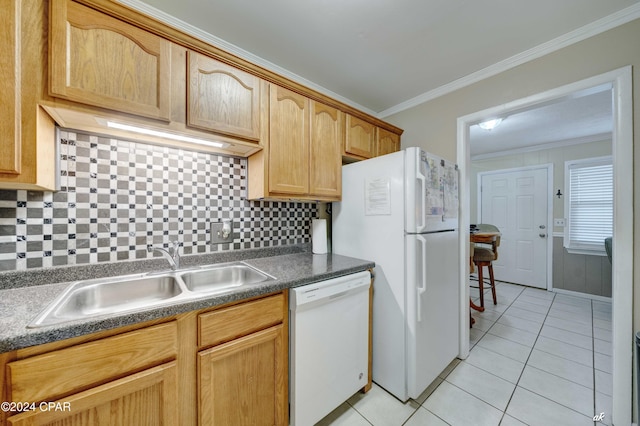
x=601 y=25
x=193 y=31
x=600 y=137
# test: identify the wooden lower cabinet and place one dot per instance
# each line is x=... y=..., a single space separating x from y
x=241 y=382
x=205 y=367
x=146 y=398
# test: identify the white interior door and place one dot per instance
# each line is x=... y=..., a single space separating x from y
x=516 y=201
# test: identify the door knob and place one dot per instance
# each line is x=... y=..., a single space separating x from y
x=542 y=235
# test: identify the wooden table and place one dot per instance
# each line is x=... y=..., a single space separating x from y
x=479 y=237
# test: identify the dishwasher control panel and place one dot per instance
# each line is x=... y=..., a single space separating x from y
x=333 y=288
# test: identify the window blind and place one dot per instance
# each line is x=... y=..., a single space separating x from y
x=589 y=204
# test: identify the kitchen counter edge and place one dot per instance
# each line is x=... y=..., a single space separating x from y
x=19 y=306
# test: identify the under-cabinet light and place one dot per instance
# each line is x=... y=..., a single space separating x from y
x=161 y=134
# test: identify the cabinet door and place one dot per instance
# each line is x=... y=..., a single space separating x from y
x=325 y=163
x=360 y=139
x=222 y=98
x=9 y=88
x=387 y=142
x=244 y=382
x=146 y=398
x=27 y=132
x=98 y=60
x=288 y=142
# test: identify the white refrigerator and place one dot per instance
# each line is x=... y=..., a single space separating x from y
x=401 y=211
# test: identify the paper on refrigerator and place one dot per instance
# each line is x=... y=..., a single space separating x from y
x=450 y=191
x=435 y=202
x=377 y=196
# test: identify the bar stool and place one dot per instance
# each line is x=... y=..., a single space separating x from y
x=484 y=255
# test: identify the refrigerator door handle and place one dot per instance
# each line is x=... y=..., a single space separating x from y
x=423 y=195
x=423 y=276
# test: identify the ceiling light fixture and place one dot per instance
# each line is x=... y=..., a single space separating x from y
x=490 y=124
x=162 y=134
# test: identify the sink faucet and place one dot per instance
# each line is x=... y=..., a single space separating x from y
x=172 y=254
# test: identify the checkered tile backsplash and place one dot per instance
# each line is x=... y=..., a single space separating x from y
x=116 y=197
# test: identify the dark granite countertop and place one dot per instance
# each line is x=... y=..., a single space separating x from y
x=20 y=303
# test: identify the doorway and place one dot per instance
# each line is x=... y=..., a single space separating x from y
x=516 y=201
x=620 y=82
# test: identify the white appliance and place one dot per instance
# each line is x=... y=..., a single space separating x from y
x=401 y=211
x=329 y=345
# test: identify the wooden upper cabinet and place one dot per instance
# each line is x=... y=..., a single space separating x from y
x=303 y=143
x=27 y=132
x=360 y=139
x=288 y=142
x=222 y=98
x=10 y=158
x=327 y=138
x=387 y=142
x=101 y=61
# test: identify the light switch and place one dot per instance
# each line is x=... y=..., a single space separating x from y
x=558 y=222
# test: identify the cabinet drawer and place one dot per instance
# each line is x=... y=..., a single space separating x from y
x=80 y=367
x=235 y=321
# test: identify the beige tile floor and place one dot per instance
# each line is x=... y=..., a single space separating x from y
x=537 y=358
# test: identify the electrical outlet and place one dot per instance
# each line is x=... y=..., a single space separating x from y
x=222 y=232
x=558 y=222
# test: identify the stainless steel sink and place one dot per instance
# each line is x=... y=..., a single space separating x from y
x=223 y=278
x=108 y=296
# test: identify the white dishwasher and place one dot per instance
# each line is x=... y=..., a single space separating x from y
x=329 y=345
